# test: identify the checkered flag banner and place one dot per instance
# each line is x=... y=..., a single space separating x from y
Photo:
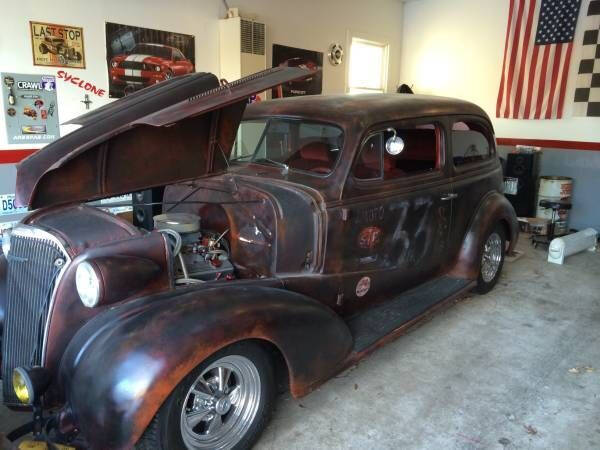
x=537 y=57
x=587 y=86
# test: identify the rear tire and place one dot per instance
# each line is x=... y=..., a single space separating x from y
x=225 y=402
x=492 y=259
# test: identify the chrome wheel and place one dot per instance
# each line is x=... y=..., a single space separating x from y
x=221 y=404
x=492 y=257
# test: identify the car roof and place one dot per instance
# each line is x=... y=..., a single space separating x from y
x=365 y=109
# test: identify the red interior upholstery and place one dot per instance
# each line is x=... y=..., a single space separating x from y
x=419 y=144
x=314 y=156
x=317 y=151
x=368 y=164
x=389 y=167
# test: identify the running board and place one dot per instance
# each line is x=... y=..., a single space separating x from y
x=372 y=325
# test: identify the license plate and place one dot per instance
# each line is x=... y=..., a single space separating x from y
x=8 y=207
x=36 y=445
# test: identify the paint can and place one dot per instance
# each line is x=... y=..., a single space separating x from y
x=555 y=188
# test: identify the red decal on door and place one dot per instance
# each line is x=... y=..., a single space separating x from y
x=369 y=237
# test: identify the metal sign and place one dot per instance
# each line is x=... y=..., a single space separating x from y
x=30 y=108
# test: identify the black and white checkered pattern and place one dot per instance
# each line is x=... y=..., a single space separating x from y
x=587 y=88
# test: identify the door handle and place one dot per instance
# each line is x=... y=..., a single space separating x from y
x=449 y=196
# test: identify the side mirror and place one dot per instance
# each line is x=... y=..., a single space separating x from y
x=395 y=144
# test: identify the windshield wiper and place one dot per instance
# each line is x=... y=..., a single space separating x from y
x=284 y=166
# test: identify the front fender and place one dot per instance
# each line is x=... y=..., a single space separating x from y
x=122 y=365
x=493 y=209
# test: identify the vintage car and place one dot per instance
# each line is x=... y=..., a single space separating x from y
x=59 y=47
x=148 y=64
x=297 y=236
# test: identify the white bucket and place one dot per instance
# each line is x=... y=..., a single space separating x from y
x=555 y=189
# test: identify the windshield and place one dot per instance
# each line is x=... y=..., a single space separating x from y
x=298 y=144
x=154 y=50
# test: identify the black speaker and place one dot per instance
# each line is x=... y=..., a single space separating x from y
x=525 y=168
x=522 y=165
x=146 y=205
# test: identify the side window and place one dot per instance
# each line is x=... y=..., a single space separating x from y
x=420 y=151
x=470 y=143
x=249 y=135
x=369 y=163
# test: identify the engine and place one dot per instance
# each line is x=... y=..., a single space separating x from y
x=199 y=255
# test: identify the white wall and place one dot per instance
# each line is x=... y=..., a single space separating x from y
x=315 y=24
x=455 y=48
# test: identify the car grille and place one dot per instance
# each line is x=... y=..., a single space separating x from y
x=135 y=65
x=35 y=262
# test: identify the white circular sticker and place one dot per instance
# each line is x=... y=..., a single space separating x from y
x=362 y=287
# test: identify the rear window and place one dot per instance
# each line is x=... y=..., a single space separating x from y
x=471 y=143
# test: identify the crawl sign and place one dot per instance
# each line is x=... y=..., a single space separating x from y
x=85 y=85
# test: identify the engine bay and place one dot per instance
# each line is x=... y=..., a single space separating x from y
x=197 y=255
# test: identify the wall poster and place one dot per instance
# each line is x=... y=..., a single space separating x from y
x=57 y=45
x=30 y=108
x=140 y=57
x=284 y=56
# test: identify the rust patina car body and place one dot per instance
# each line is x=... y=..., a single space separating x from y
x=328 y=264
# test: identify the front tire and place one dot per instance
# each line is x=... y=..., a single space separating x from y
x=224 y=403
x=492 y=260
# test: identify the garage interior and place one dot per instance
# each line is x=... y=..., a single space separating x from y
x=517 y=367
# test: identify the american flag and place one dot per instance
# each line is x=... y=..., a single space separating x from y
x=537 y=55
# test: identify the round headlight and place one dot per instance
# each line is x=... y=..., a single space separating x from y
x=114 y=64
x=157 y=68
x=88 y=284
x=21 y=386
x=6 y=242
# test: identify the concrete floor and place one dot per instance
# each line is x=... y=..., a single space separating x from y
x=516 y=368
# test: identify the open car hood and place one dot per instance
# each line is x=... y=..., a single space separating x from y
x=177 y=130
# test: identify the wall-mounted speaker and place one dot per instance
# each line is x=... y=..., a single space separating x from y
x=146 y=205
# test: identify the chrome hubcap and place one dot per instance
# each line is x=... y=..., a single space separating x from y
x=491 y=258
x=221 y=404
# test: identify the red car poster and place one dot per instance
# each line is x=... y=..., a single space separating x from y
x=284 y=56
x=140 y=57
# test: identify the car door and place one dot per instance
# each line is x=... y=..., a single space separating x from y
x=475 y=168
x=398 y=210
